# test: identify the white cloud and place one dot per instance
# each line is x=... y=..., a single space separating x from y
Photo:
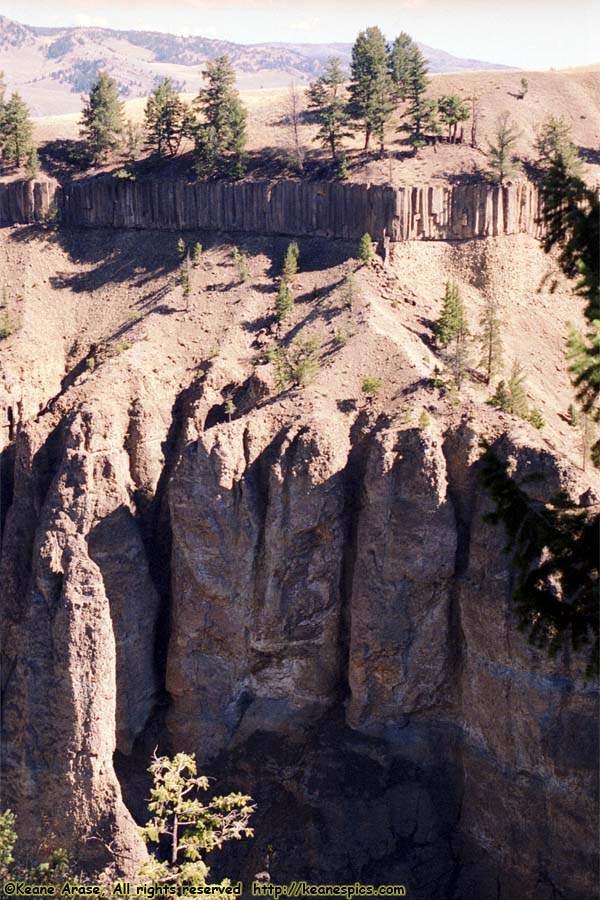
x=306 y=24
x=86 y=21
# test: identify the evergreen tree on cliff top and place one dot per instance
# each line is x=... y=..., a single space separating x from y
x=167 y=119
x=221 y=134
x=501 y=153
x=102 y=118
x=371 y=85
x=16 y=131
x=400 y=56
x=327 y=100
x=409 y=75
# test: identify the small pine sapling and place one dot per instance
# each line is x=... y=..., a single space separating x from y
x=500 y=398
x=33 y=164
x=290 y=262
x=371 y=386
x=519 y=405
x=229 y=408
x=284 y=302
x=536 y=419
x=197 y=255
x=365 y=248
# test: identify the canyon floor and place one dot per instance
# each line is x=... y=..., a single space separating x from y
x=300 y=588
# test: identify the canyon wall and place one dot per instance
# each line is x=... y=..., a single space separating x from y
x=307 y=596
x=294 y=208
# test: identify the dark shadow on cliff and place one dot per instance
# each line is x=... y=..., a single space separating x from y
x=313 y=789
x=110 y=256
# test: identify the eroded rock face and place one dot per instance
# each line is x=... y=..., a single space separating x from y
x=79 y=611
x=258 y=538
x=342 y=646
x=343 y=637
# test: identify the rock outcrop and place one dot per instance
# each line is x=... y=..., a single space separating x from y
x=294 y=208
x=303 y=588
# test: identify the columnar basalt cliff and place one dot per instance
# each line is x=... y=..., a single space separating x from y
x=334 y=210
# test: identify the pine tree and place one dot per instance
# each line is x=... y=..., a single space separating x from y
x=457 y=355
x=537 y=419
x=571 y=216
x=290 y=262
x=501 y=397
x=186 y=284
x=490 y=339
x=452 y=111
x=350 y=291
x=167 y=120
x=452 y=331
x=554 y=143
x=501 y=153
x=400 y=64
x=370 y=386
x=371 y=85
x=33 y=164
x=447 y=324
x=474 y=101
x=197 y=255
x=16 y=131
x=221 y=135
x=554 y=587
x=187 y=827
x=517 y=397
x=181 y=249
x=327 y=100
x=102 y=119
x=420 y=112
x=365 y=248
x=284 y=302
x=229 y=408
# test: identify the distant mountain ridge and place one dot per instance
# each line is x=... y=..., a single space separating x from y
x=51 y=67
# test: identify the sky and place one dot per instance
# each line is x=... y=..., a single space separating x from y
x=530 y=34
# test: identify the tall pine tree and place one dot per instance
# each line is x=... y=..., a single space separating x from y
x=554 y=142
x=490 y=339
x=102 y=118
x=400 y=64
x=447 y=324
x=221 y=135
x=501 y=153
x=328 y=103
x=452 y=331
x=409 y=73
x=371 y=85
x=517 y=396
x=15 y=131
